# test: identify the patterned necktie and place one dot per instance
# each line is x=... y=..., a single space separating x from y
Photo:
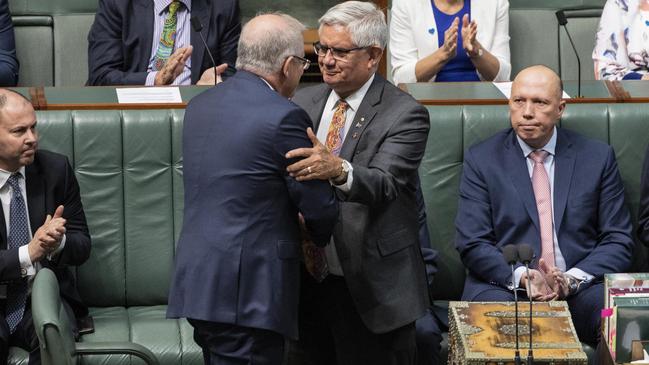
x=336 y=133
x=315 y=258
x=168 y=37
x=18 y=236
x=541 y=185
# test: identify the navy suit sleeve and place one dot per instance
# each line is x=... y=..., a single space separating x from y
x=77 y=241
x=106 y=58
x=615 y=245
x=643 y=214
x=8 y=60
x=397 y=158
x=315 y=199
x=474 y=234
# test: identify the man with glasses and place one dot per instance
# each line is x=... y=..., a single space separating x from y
x=237 y=267
x=363 y=293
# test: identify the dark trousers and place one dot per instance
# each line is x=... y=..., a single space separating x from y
x=585 y=308
x=429 y=338
x=24 y=337
x=227 y=344
x=332 y=332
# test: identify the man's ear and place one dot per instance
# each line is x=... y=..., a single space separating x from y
x=375 y=56
x=562 y=107
x=286 y=66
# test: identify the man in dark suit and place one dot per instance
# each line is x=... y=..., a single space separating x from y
x=548 y=187
x=643 y=214
x=8 y=60
x=374 y=136
x=38 y=190
x=237 y=268
x=151 y=42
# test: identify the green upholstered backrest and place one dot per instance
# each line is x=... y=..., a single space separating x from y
x=128 y=164
x=455 y=128
x=34 y=49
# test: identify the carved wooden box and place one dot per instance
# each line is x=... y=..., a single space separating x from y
x=484 y=333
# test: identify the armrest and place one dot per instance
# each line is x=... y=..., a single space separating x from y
x=111 y=348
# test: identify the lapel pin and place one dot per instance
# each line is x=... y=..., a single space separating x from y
x=358 y=125
x=362 y=119
x=355 y=135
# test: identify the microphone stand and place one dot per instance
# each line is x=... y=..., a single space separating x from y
x=530 y=354
x=517 y=354
x=563 y=21
x=526 y=253
x=510 y=253
x=198 y=27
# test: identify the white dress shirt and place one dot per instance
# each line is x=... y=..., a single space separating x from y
x=354 y=101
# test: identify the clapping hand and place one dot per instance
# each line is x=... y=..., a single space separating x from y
x=469 y=37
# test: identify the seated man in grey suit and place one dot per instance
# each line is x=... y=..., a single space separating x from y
x=548 y=187
x=42 y=224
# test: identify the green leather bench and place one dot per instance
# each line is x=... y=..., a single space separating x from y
x=129 y=168
x=454 y=128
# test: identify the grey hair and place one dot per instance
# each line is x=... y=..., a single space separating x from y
x=364 y=21
x=263 y=51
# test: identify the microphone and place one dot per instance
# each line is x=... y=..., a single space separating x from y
x=510 y=253
x=563 y=21
x=526 y=254
x=197 y=26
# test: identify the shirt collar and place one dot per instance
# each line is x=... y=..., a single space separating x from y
x=267 y=83
x=354 y=100
x=549 y=147
x=4 y=175
x=161 y=5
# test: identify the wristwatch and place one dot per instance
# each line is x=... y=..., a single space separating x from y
x=342 y=178
x=573 y=284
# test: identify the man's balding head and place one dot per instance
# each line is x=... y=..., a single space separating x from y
x=535 y=105
x=18 y=137
x=267 y=40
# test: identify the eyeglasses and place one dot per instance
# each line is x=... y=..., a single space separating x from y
x=338 y=53
x=305 y=63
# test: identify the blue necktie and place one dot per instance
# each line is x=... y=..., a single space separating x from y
x=18 y=236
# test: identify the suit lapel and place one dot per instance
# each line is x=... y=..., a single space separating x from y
x=315 y=111
x=35 y=197
x=364 y=115
x=516 y=167
x=564 y=163
x=201 y=10
x=143 y=13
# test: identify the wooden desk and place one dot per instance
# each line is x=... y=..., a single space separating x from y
x=95 y=98
x=485 y=93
